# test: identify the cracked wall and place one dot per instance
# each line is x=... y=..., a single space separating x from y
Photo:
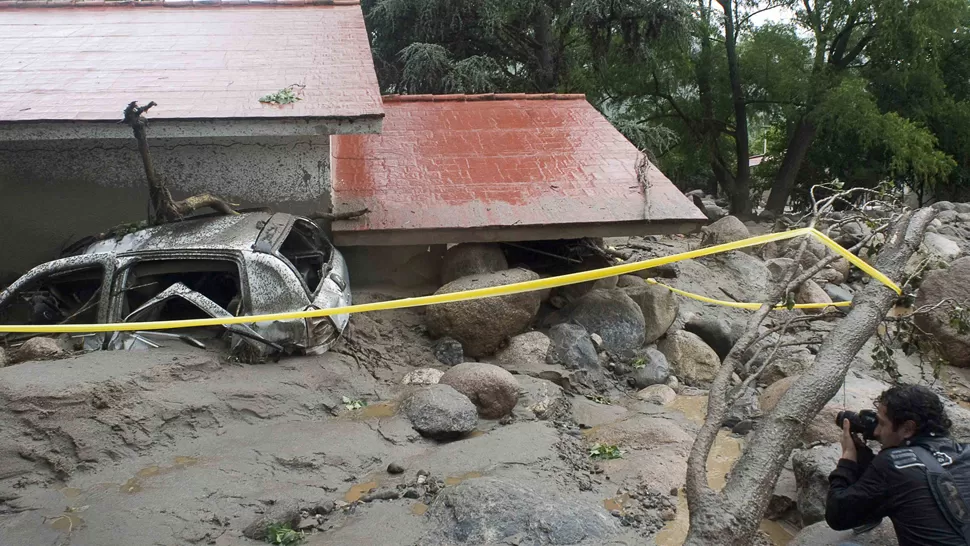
x=55 y=192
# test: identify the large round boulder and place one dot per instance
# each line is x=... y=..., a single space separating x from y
x=439 y=411
x=820 y=534
x=472 y=259
x=482 y=325
x=659 y=307
x=612 y=315
x=691 y=360
x=726 y=230
x=951 y=284
x=571 y=347
x=811 y=292
x=526 y=353
x=493 y=390
x=719 y=332
x=650 y=367
x=812 y=468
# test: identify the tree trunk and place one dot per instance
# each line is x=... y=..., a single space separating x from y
x=546 y=54
x=732 y=516
x=784 y=181
x=740 y=190
x=709 y=130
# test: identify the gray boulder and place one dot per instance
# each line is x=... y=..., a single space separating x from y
x=746 y=408
x=284 y=511
x=525 y=354
x=778 y=267
x=448 y=351
x=659 y=307
x=494 y=511
x=660 y=395
x=650 y=368
x=542 y=400
x=493 y=390
x=939 y=285
x=820 y=534
x=612 y=315
x=482 y=325
x=472 y=259
x=439 y=411
x=726 y=230
x=718 y=332
x=422 y=376
x=811 y=292
x=837 y=293
x=570 y=347
x=812 y=468
x=789 y=362
x=629 y=281
x=691 y=360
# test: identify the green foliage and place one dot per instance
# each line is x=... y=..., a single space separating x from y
x=353 y=404
x=283 y=96
x=605 y=452
x=282 y=533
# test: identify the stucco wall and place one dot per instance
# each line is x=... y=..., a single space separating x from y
x=53 y=192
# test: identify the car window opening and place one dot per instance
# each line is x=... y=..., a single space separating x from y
x=306 y=253
x=60 y=297
x=217 y=280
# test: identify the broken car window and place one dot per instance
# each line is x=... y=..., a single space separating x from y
x=307 y=252
x=218 y=280
x=57 y=297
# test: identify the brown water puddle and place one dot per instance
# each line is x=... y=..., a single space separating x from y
x=724 y=453
x=455 y=480
x=359 y=490
x=419 y=509
x=136 y=483
x=380 y=410
x=66 y=523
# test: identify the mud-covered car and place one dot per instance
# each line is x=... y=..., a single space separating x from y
x=215 y=266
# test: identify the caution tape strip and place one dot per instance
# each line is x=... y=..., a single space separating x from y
x=479 y=293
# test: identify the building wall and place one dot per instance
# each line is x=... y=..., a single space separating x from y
x=54 y=192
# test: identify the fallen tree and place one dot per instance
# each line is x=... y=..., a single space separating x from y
x=162 y=208
x=732 y=515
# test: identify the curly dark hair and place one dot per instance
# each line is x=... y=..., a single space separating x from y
x=919 y=404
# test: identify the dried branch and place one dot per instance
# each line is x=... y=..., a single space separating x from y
x=338 y=216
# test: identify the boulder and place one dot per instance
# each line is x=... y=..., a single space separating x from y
x=649 y=368
x=718 y=332
x=812 y=468
x=542 y=400
x=726 y=230
x=482 y=325
x=746 y=408
x=629 y=281
x=829 y=275
x=778 y=267
x=852 y=233
x=448 y=351
x=691 y=360
x=285 y=511
x=468 y=259
x=942 y=247
x=659 y=307
x=609 y=283
x=525 y=353
x=961 y=208
x=657 y=394
x=784 y=499
x=953 y=284
x=811 y=292
x=612 y=315
x=493 y=390
x=38 y=348
x=571 y=347
x=947 y=216
x=788 y=362
x=3 y=357
x=838 y=293
x=842 y=266
x=820 y=534
x=496 y=511
x=439 y=411
x=422 y=376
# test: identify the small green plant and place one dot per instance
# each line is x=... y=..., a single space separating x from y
x=605 y=451
x=283 y=96
x=353 y=403
x=282 y=533
x=598 y=399
x=639 y=364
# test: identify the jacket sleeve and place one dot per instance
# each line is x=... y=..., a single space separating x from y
x=857 y=496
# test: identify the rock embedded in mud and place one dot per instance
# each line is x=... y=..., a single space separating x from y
x=659 y=307
x=726 y=230
x=525 y=354
x=448 y=351
x=690 y=358
x=650 y=367
x=440 y=411
x=38 y=348
x=482 y=325
x=718 y=332
x=283 y=512
x=812 y=468
x=657 y=394
x=613 y=315
x=746 y=407
x=395 y=468
x=467 y=259
x=489 y=511
x=951 y=284
x=820 y=534
x=571 y=347
x=324 y=508
x=811 y=292
x=493 y=390
x=422 y=376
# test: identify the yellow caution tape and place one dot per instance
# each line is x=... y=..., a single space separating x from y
x=745 y=305
x=479 y=293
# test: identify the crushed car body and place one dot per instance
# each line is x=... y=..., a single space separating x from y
x=251 y=263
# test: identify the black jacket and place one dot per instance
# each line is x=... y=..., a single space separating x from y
x=861 y=494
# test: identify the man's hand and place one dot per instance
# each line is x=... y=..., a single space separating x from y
x=849 y=449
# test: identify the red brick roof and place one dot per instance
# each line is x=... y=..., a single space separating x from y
x=456 y=162
x=86 y=64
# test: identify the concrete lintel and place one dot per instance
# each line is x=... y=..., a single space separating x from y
x=508 y=233
x=191 y=128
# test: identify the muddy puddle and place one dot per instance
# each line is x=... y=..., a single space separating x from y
x=724 y=453
x=357 y=491
x=71 y=520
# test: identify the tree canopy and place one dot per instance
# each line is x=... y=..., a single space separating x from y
x=862 y=92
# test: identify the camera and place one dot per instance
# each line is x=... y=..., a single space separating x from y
x=863 y=422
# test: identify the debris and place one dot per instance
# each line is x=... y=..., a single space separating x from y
x=284 y=96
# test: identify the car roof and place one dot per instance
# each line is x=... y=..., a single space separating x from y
x=233 y=232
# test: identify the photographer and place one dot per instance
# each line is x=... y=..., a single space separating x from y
x=920 y=479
